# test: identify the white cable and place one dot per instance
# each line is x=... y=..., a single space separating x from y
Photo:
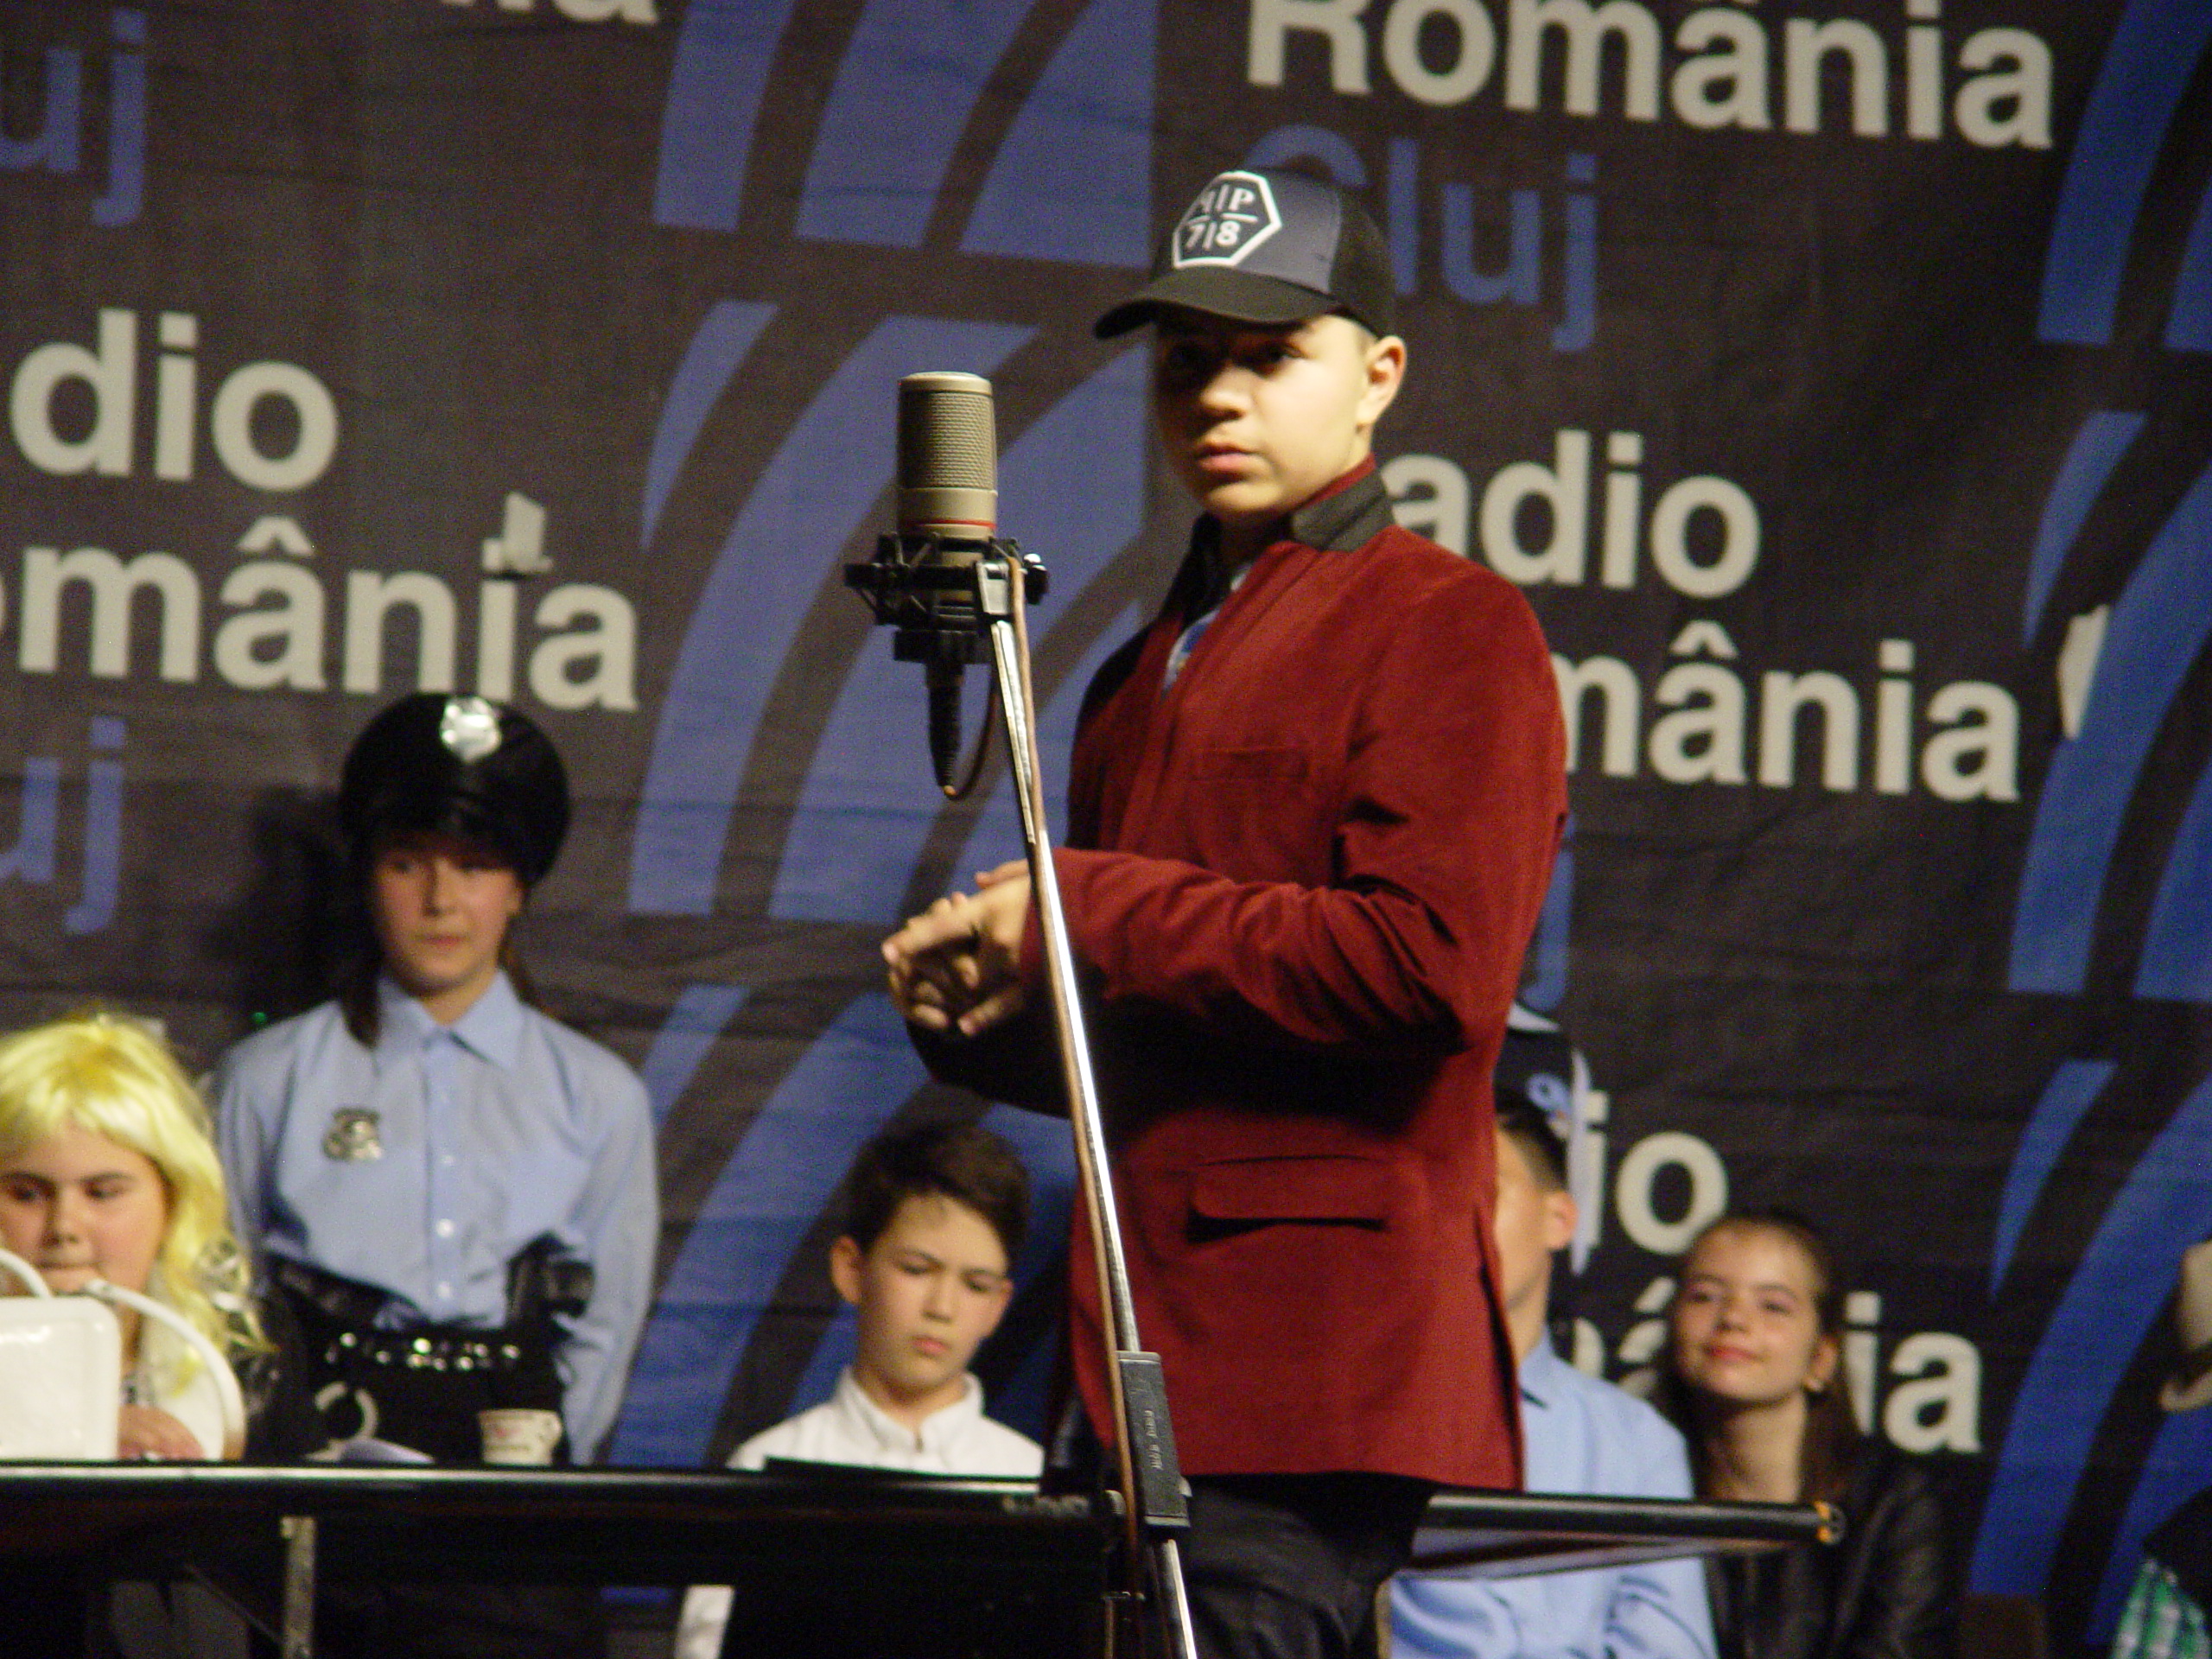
x=226 y=1382
x=24 y=1271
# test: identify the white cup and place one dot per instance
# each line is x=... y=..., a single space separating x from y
x=519 y=1435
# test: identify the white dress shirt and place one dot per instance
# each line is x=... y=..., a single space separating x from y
x=851 y=1428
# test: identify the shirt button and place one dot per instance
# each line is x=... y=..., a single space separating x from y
x=448 y=1160
x=445 y=1291
x=445 y=1230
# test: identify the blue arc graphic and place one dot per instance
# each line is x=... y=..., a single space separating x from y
x=903 y=93
x=1083 y=144
x=2073 y=1089
x=2159 y=626
x=1073 y=489
x=2096 y=452
x=762 y=1207
x=715 y=92
x=2173 y=1470
x=682 y=1045
x=724 y=337
x=2147 y=67
x=2164 y=1206
x=2189 y=324
x=808 y=504
x=2178 y=944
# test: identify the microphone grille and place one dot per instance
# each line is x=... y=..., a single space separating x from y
x=948 y=456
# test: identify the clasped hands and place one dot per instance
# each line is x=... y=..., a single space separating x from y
x=958 y=965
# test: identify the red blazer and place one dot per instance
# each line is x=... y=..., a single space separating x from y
x=1300 y=882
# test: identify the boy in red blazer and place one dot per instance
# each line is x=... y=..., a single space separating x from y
x=1313 y=814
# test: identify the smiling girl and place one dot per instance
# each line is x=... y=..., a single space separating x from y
x=1753 y=1378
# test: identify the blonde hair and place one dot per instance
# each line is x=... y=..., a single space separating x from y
x=108 y=1074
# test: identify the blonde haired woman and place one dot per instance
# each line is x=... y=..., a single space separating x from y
x=107 y=1172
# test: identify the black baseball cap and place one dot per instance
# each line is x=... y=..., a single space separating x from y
x=466 y=767
x=1262 y=245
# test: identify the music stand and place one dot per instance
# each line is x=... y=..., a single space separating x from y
x=1026 y=1570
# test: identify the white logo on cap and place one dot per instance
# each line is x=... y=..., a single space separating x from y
x=1232 y=216
x=470 y=727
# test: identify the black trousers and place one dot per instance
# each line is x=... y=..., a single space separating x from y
x=1287 y=1566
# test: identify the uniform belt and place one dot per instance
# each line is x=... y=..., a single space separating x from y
x=348 y=1311
x=541 y=1279
x=434 y=1348
x=421 y=1386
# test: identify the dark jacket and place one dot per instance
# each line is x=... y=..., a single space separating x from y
x=1883 y=1593
x=1301 y=881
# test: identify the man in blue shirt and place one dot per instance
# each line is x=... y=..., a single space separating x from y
x=1581 y=1436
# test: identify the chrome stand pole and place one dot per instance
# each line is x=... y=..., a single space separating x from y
x=1154 y=1505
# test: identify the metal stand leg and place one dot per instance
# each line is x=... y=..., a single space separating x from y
x=1174 y=1601
x=1144 y=1441
x=299 y=1586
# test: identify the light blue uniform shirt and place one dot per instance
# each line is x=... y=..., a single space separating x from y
x=1586 y=1438
x=424 y=1166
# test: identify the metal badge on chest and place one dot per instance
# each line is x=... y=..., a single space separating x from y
x=352 y=1137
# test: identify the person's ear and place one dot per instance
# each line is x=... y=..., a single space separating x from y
x=1560 y=1216
x=1821 y=1372
x=1382 y=373
x=1001 y=1299
x=846 y=1260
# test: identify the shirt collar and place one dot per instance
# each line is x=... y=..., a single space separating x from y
x=939 y=1429
x=491 y=1029
x=1348 y=514
x=1540 y=1372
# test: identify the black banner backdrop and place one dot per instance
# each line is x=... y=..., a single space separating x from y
x=1834 y=375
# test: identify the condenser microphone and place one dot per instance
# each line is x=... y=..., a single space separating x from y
x=948 y=459
x=933 y=579
x=949 y=502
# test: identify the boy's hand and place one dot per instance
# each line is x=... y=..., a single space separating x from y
x=957 y=966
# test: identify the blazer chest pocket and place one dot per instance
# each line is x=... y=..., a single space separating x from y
x=1234 y=1195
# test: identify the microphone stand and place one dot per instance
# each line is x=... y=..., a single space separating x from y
x=929 y=596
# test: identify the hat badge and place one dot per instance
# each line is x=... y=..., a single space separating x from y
x=1231 y=217
x=470 y=727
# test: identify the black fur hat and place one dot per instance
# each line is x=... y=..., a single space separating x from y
x=432 y=763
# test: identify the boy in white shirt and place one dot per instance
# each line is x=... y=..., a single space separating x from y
x=935 y=1215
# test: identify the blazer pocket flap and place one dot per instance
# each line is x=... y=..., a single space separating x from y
x=1293 y=1189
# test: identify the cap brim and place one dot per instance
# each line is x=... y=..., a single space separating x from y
x=2189 y=1385
x=1218 y=292
x=2177 y=1397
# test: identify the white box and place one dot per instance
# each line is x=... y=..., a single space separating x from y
x=60 y=1378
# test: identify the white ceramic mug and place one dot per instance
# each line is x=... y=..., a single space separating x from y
x=519 y=1435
